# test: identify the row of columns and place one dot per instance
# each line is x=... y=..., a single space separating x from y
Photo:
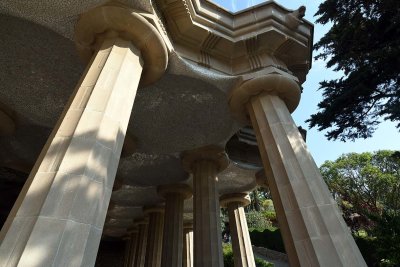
x=169 y=242
x=66 y=196
x=148 y=251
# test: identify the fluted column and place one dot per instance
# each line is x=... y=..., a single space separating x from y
x=173 y=226
x=242 y=251
x=312 y=227
x=154 y=236
x=130 y=247
x=64 y=200
x=205 y=163
x=187 y=245
x=128 y=244
x=133 y=235
x=140 y=254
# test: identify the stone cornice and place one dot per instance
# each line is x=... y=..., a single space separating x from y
x=245 y=42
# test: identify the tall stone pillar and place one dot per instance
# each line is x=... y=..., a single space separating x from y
x=187 y=245
x=59 y=215
x=313 y=229
x=154 y=236
x=140 y=254
x=134 y=241
x=128 y=244
x=242 y=251
x=205 y=163
x=173 y=226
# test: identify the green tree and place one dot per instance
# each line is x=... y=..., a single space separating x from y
x=364 y=43
x=367 y=188
x=260 y=213
x=255 y=200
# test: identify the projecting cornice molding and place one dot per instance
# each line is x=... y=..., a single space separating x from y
x=265 y=36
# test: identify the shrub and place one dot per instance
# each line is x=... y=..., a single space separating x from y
x=257 y=221
x=270 y=215
x=229 y=262
x=228 y=255
x=270 y=239
x=262 y=263
x=267 y=204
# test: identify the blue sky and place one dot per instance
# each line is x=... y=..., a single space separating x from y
x=385 y=137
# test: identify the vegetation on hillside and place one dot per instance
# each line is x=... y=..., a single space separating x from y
x=229 y=262
x=366 y=187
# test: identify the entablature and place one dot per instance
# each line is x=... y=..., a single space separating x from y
x=265 y=36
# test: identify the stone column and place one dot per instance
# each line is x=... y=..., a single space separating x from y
x=154 y=236
x=133 y=246
x=242 y=251
x=128 y=244
x=187 y=245
x=312 y=227
x=140 y=254
x=173 y=227
x=66 y=196
x=205 y=163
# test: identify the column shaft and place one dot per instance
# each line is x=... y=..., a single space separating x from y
x=241 y=244
x=140 y=254
x=173 y=231
x=207 y=231
x=128 y=244
x=312 y=227
x=188 y=248
x=133 y=249
x=66 y=196
x=154 y=239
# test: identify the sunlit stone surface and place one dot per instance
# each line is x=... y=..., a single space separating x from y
x=66 y=196
x=193 y=55
x=242 y=251
x=313 y=229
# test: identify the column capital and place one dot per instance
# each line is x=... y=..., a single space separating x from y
x=138 y=222
x=273 y=84
x=118 y=21
x=181 y=189
x=212 y=153
x=242 y=199
x=153 y=209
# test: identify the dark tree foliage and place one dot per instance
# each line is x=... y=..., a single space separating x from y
x=364 y=43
